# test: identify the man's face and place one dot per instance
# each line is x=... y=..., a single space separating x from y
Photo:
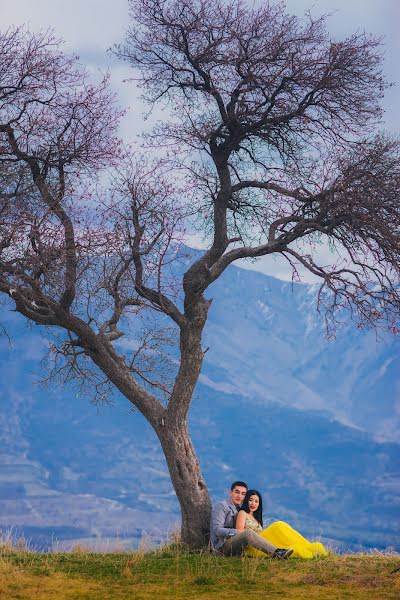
x=237 y=494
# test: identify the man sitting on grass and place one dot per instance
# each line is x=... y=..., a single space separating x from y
x=226 y=539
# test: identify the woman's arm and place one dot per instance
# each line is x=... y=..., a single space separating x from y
x=241 y=520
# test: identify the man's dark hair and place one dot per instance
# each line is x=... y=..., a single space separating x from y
x=246 y=508
x=240 y=484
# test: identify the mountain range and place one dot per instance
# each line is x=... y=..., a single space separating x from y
x=311 y=422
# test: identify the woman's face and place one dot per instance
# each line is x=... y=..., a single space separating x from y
x=254 y=502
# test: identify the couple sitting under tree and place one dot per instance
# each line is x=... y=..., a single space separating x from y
x=237 y=528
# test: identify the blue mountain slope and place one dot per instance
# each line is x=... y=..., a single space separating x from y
x=278 y=351
x=311 y=423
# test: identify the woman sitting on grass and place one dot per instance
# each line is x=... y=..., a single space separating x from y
x=279 y=533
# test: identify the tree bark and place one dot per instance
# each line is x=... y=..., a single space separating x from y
x=188 y=483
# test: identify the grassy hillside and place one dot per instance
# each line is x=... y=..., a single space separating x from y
x=173 y=573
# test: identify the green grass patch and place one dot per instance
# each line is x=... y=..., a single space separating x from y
x=176 y=574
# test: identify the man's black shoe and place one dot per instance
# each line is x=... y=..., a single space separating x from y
x=282 y=553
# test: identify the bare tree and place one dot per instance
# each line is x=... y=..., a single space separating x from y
x=272 y=133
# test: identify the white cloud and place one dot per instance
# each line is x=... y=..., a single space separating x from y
x=87 y=27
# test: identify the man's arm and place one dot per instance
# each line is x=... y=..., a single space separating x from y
x=218 y=517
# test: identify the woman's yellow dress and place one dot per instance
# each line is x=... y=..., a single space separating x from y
x=283 y=536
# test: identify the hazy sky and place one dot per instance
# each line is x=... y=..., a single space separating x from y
x=89 y=27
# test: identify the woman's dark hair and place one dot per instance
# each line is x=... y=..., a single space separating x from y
x=245 y=506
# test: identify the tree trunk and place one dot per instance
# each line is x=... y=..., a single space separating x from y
x=188 y=483
x=171 y=428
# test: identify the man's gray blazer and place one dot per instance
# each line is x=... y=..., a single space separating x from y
x=222 y=526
